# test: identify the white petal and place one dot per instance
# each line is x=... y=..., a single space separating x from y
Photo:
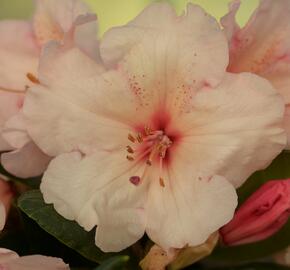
x=18 y=54
x=189 y=208
x=96 y=190
x=28 y=161
x=235 y=129
x=158 y=47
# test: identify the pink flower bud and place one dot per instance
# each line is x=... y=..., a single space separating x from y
x=261 y=215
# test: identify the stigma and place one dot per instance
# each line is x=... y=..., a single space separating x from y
x=151 y=147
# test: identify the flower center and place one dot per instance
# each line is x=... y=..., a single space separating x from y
x=149 y=146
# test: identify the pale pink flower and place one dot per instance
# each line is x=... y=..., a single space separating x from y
x=9 y=260
x=20 y=47
x=157 y=142
x=262 y=46
x=261 y=215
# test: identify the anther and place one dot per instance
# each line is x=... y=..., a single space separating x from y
x=148 y=162
x=130 y=158
x=161 y=182
x=32 y=78
x=139 y=137
x=130 y=149
x=135 y=180
x=147 y=130
x=131 y=138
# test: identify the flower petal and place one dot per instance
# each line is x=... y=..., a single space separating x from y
x=14 y=131
x=54 y=19
x=18 y=54
x=28 y=161
x=158 y=46
x=229 y=133
x=82 y=190
x=10 y=104
x=7 y=255
x=35 y=262
x=229 y=20
x=88 y=105
x=253 y=49
x=186 y=212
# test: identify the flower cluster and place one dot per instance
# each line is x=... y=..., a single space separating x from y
x=151 y=129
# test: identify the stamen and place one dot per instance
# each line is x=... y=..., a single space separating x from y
x=161 y=182
x=135 y=180
x=149 y=162
x=131 y=138
x=139 y=137
x=32 y=78
x=153 y=144
x=130 y=158
x=130 y=149
x=148 y=130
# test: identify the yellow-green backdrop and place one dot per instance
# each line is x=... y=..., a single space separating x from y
x=118 y=12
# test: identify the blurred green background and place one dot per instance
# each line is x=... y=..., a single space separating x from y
x=118 y=12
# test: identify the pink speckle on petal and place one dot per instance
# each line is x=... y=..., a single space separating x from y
x=20 y=102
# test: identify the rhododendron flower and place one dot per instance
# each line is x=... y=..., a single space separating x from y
x=9 y=260
x=157 y=142
x=261 y=215
x=20 y=47
x=262 y=46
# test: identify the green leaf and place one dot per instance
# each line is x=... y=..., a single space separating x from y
x=279 y=169
x=67 y=232
x=114 y=263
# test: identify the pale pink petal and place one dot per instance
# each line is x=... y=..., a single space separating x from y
x=189 y=208
x=253 y=49
x=88 y=106
x=7 y=255
x=231 y=133
x=263 y=45
x=35 y=262
x=18 y=54
x=14 y=131
x=4 y=145
x=229 y=20
x=28 y=161
x=54 y=19
x=10 y=104
x=82 y=190
x=158 y=47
